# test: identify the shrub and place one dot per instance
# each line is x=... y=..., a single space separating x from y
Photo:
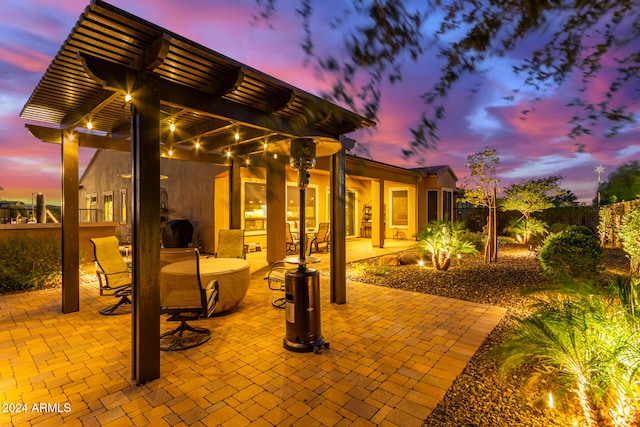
x=29 y=263
x=572 y=254
x=582 y=229
x=557 y=227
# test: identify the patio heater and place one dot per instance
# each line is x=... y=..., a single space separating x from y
x=302 y=284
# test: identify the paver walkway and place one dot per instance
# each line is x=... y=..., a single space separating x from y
x=393 y=355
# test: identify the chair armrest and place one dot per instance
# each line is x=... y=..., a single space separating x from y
x=276 y=274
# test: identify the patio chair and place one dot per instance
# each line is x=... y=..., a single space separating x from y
x=230 y=244
x=275 y=280
x=322 y=236
x=184 y=299
x=292 y=240
x=113 y=274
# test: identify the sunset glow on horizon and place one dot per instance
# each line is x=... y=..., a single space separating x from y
x=530 y=137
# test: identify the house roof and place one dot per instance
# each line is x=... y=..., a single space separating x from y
x=436 y=170
x=206 y=95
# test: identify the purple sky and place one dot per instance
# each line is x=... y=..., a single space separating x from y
x=31 y=33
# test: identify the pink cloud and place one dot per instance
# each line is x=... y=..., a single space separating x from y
x=25 y=59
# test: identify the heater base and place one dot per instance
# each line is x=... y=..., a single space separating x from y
x=306 y=347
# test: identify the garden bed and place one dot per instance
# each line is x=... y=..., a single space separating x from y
x=480 y=396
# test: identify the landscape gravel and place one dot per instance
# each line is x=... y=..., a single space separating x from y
x=481 y=395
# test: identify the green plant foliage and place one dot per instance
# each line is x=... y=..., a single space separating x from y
x=375 y=270
x=557 y=227
x=572 y=254
x=524 y=229
x=582 y=229
x=443 y=240
x=630 y=235
x=533 y=195
x=29 y=263
x=585 y=341
x=622 y=184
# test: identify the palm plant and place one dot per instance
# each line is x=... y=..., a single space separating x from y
x=443 y=240
x=525 y=228
x=588 y=339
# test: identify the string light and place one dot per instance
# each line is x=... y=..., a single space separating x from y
x=89 y=124
x=275 y=155
x=265 y=146
x=228 y=153
x=127 y=98
x=237 y=136
x=172 y=127
x=197 y=145
x=170 y=152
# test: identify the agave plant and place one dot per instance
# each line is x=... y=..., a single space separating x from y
x=587 y=338
x=443 y=240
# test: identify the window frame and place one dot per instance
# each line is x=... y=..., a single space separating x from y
x=392 y=208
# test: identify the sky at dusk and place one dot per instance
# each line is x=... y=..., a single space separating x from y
x=481 y=112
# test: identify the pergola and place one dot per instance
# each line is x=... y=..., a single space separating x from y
x=121 y=83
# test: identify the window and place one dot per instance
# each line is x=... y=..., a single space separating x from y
x=255 y=206
x=107 y=206
x=447 y=205
x=90 y=206
x=399 y=208
x=293 y=206
x=123 y=206
x=432 y=205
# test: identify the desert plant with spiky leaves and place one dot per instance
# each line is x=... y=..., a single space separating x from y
x=443 y=240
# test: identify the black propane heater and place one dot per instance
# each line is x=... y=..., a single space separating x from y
x=302 y=284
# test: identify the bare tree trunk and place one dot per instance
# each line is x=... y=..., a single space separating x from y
x=494 y=230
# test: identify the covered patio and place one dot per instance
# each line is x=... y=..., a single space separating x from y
x=122 y=83
x=393 y=356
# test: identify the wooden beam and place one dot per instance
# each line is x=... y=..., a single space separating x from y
x=52 y=135
x=338 y=254
x=155 y=54
x=235 y=190
x=180 y=96
x=70 y=225
x=145 y=131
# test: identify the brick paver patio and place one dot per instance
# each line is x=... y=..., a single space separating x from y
x=393 y=355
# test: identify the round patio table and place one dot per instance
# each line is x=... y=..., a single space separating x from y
x=233 y=276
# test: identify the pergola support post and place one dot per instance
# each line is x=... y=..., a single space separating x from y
x=145 y=153
x=70 y=226
x=378 y=215
x=235 y=180
x=277 y=210
x=338 y=253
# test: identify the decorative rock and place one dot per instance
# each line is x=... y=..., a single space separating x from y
x=389 y=260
